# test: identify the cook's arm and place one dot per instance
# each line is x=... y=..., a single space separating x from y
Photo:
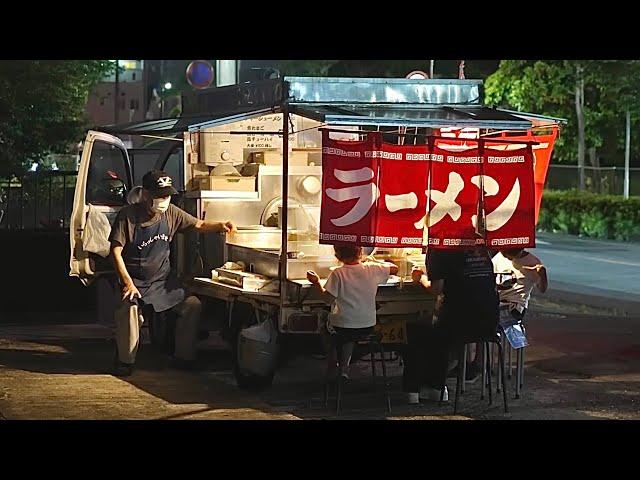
x=208 y=226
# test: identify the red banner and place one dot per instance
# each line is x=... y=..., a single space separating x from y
x=404 y=173
x=509 y=198
x=542 y=156
x=454 y=199
x=349 y=191
x=375 y=194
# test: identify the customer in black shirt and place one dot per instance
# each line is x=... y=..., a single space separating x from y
x=468 y=312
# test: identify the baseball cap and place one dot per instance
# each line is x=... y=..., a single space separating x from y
x=158 y=183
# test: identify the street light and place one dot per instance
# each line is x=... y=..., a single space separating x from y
x=167 y=86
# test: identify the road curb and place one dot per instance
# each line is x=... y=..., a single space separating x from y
x=617 y=303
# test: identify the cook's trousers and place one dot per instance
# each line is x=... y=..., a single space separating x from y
x=128 y=322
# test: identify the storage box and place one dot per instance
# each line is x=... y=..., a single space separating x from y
x=200 y=170
x=273 y=157
x=226 y=183
x=314 y=154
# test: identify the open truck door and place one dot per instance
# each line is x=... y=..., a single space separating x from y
x=103 y=184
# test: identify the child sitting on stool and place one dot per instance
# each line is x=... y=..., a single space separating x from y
x=351 y=290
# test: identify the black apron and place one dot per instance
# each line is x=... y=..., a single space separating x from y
x=147 y=261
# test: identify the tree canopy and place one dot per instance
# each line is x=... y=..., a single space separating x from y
x=548 y=87
x=42 y=107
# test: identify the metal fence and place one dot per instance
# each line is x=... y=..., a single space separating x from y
x=38 y=200
x=606 y=180
x=43 y=199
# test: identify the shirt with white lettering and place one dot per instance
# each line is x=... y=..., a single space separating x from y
x=123 y=227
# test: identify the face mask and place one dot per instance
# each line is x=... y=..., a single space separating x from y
x=160 y=205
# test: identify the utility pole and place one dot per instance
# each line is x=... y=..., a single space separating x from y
x=116 y=100
x=161 y=88
x=627 y=148
x=579 y=99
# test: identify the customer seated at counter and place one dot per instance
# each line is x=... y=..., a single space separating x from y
x=526 y=271
x=469 y=311
x=351 y=291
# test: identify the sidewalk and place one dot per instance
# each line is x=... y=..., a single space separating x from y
x=59 y=372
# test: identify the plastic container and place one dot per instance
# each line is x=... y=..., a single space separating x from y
x=257 y=349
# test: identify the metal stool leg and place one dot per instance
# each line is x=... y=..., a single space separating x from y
x=484 y=360
x=444 y=383
x=373 y=364
x=489 y=375
x=493 y=357
x=500 y=363
x=338 y=394
x=502 y=369
x=509 y=359
x=464 y=367
x=521 y=379
x=460 y=378
x=518 y=366
x=328 y=379
x=384 y=377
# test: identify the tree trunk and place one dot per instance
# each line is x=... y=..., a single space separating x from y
x=580 y=117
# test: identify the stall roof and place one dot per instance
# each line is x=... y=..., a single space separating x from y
x=432 y=116
x=169 y=126
x=383 y=115
x=331 y=90
x=342 y=101
x=536 y=119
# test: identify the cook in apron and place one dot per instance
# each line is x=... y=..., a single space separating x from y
x=147 y=261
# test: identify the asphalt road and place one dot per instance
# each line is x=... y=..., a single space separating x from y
x=598 y=272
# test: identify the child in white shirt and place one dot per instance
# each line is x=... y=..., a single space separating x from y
x=351 y=289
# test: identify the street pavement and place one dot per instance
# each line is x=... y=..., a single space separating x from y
x=583 y=362
x=578 y=366
x=598 y=273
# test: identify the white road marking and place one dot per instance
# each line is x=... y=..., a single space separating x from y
x=597 y=259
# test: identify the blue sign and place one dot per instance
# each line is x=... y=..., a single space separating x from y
x=200 y=74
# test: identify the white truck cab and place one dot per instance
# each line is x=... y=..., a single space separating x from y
x=103 y=182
